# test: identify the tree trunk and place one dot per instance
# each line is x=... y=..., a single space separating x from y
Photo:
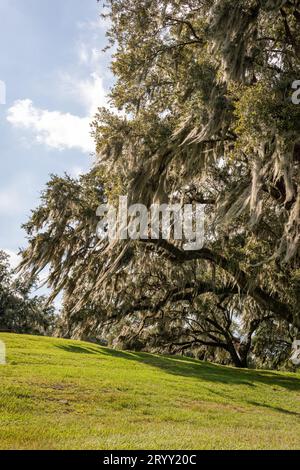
x=238 y=360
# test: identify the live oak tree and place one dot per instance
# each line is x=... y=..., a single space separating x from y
x=201 y=113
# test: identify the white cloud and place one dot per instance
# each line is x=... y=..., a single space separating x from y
x=53 y=128
x=14 y=259
x=90 y=93
x=89 y=56
x=63 y=130
x=83 y=54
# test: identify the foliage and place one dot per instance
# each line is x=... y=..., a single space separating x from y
x=204 y=93
x=20 y=311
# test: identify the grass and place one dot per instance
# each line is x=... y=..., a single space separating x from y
x=58 y=394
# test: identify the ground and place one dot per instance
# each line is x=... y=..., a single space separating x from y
x=58 y=394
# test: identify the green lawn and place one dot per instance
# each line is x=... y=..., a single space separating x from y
x=58 y=394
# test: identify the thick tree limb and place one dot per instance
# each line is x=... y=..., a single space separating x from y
x=262 y=297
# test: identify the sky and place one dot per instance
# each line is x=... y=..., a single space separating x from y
x=56 y=75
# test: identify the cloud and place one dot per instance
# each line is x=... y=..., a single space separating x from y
x=61 y=130
x=90 y=92
x=55 y=129
x=14 y=259
x=89 y=56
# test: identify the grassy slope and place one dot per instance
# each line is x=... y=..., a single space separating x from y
x=58 y=394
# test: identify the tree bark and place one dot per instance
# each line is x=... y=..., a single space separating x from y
x=262 y=297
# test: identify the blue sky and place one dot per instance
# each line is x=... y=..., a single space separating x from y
x=56 y=75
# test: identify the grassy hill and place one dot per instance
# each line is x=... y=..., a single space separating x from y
x=58 y=394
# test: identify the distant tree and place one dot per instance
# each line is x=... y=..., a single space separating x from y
x=20 y=311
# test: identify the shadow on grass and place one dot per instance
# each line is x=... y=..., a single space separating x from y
x=273 y=408
x=187 y=367
x=78 y=349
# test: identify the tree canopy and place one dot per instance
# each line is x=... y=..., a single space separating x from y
x=201 y=112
